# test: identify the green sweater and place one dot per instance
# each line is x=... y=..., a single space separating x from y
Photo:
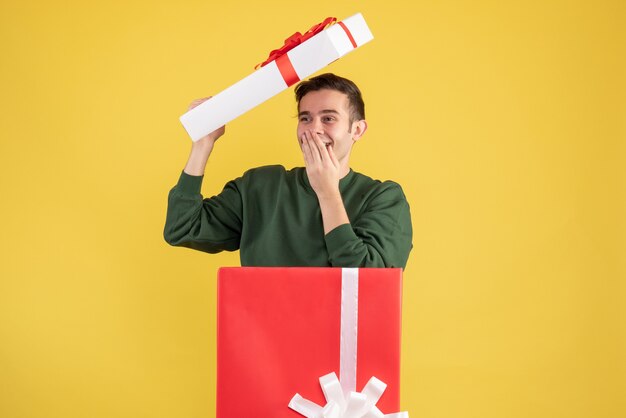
x=273 y=217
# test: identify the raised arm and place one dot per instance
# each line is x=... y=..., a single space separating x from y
x=210 y=225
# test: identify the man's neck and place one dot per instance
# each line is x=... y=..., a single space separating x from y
x=345 y=170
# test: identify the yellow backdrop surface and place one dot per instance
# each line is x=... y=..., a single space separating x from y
x=503 y=121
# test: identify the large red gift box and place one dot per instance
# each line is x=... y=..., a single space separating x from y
x=280 y=329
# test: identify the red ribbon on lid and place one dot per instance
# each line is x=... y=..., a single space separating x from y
x=296 y=39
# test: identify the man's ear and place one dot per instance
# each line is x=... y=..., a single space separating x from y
x=358 y=129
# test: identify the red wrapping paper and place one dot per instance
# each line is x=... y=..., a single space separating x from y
x=279 y=331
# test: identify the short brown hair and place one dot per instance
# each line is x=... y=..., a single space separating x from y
x=331 y=81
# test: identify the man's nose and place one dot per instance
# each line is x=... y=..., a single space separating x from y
x=318 y=127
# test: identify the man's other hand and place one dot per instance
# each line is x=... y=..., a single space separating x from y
x=213 y=136
x=202 y=148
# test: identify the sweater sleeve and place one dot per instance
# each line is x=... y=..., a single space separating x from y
x=381 y=236
x=211 y=225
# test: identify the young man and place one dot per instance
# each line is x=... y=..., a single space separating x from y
x=323 y=214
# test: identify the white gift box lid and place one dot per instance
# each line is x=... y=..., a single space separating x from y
x=310 y=56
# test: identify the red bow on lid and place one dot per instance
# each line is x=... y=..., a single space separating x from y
x=296 y=39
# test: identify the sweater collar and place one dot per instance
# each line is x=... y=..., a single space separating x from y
x=343 y=182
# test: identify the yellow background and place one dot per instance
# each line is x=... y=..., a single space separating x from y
x=504 y=122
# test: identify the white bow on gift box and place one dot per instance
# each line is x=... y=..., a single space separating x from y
x=358 y=405
x=342 y=399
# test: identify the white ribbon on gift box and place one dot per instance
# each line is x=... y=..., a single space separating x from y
x=342 y=399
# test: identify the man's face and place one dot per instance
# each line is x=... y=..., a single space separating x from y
x=327 y=113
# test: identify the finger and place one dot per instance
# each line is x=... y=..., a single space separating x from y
x=301 y=143
x=198 y=102
x=306 y=150
x=321 y=147
x=315 y=152
x=333 y=157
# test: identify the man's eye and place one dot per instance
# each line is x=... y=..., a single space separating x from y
x=304 y=119
x=328 y=119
